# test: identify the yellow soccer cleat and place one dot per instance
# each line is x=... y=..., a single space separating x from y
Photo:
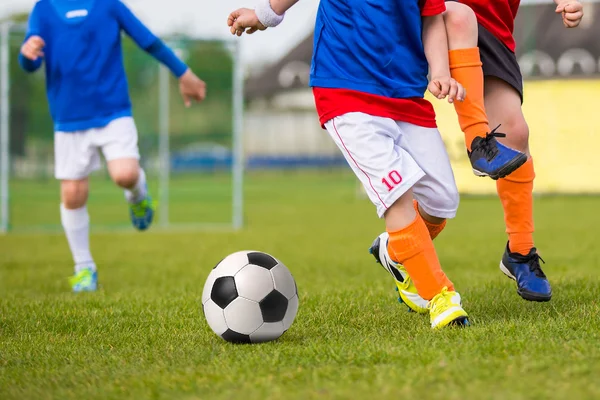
x=446 y=309
x=405 y=287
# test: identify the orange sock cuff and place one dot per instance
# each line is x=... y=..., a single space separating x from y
x=524 y=174
x=434 y=229
x=461 y=58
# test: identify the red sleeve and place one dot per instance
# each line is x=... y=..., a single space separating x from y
x=430 y=8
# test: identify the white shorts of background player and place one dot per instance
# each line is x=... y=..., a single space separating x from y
x=77 y=154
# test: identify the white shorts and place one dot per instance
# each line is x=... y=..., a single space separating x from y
x=391 y=157
x=76 y=154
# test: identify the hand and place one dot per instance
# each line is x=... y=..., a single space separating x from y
x=572 y=12
x=32 y=48
x=244 y=20
x=191 y=88
x=443 y=87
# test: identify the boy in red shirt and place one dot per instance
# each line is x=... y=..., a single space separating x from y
x=481 y=54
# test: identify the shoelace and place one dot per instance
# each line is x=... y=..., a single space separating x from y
x=439 y=301
x=534 y=265
x=488 y=144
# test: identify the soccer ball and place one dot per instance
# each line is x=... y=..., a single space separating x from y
x=250 y=297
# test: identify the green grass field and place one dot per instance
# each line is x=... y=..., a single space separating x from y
x=144 y=336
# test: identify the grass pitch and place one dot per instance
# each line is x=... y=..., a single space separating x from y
x=144 y=336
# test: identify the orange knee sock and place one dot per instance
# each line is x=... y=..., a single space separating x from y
x=434 y=229
x=516 y=194
x=413 y=248
x=465 y=67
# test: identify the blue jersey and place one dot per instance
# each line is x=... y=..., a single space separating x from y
x=372 y=46
x=85 y=77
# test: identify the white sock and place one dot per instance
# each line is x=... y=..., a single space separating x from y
x=76 y=224
x=139 y=191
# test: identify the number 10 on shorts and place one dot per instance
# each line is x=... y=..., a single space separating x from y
x=392 y=180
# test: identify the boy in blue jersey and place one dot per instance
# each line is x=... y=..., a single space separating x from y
x=369 y=73
x=79 y=41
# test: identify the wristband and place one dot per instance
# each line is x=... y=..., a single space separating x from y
x=266 y=15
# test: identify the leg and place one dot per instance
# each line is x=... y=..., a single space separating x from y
x=75 y=158
x=487 y=156
x=76 y=220
x=118 y=142
x=520 y=261
x=516 y=190
x=388 y=173
x=127 y=174
x=437 y=199
x=436 y=195
x=465 y=67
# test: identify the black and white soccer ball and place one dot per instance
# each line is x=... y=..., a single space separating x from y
x=250 y=297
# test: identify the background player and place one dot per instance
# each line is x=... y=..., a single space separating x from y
x=482 y=32
x=369 y=73
x=80 y=43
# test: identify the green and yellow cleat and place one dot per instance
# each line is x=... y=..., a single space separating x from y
x=85 y=280
x=142 y=214
x=407 y=292
x=445 y=309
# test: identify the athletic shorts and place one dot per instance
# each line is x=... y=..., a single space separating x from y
x=498 y=60
x=77 y=154
x=391 y=157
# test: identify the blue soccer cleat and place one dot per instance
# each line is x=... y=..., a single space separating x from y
x=491 y=158
x=142 y=214
x=85 y=280
x=532 y=283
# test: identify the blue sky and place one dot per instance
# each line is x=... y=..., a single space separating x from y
x=207 y=18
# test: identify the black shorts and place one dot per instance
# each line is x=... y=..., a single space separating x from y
x=498 y=61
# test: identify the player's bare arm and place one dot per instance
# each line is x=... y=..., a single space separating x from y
x=571 y=11
x=33 y=48
x=435 y=43
x=267 y=14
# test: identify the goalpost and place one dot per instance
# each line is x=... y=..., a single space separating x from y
x=193 y=158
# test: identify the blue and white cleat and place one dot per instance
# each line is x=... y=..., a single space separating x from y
x=491 y=158
x=532 y=283
x=85 y=280
x=142 y=214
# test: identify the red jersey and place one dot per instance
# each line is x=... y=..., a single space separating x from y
x=333 y=102
x=498 y=17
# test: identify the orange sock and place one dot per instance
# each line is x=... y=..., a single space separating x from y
x=516 y=195
x=413 y=248
x=465 y=67
x=434 y=229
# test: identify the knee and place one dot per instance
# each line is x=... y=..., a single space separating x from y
x=461 y=22
x=74 y=194
x=126 y=177
x=443 y=204
x=517 y=134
